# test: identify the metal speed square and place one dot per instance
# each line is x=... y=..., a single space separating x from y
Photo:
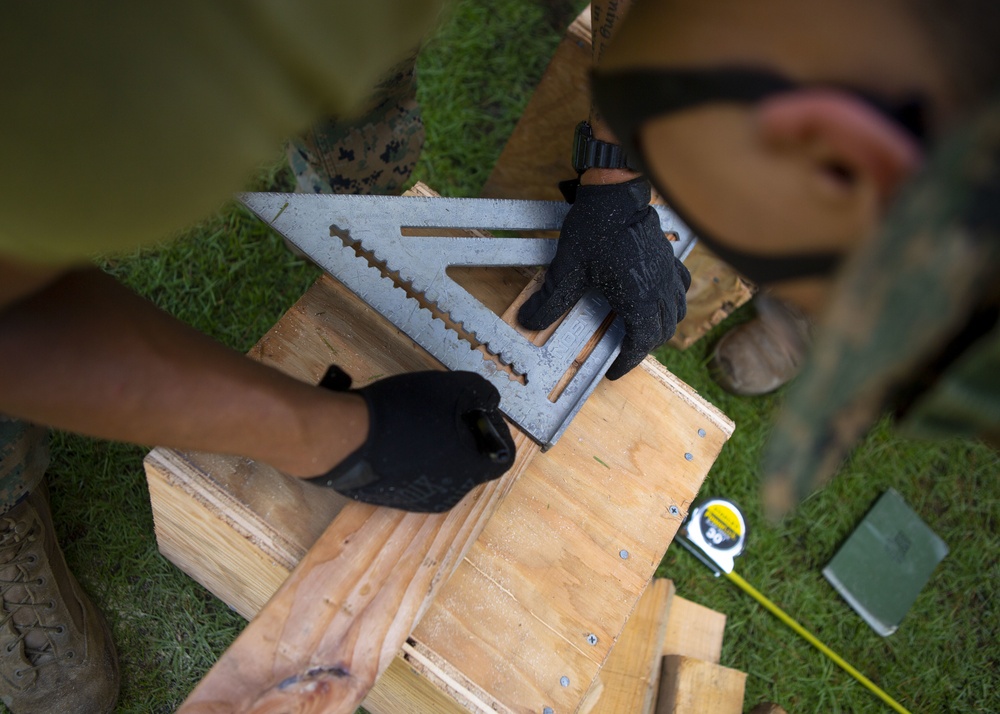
x=387 y=251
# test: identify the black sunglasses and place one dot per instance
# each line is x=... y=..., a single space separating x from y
x=629 y=98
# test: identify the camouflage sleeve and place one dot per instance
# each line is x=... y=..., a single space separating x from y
x=375 y=153
x=897 y=308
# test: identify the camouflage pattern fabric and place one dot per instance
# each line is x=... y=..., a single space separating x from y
x=375 y=154
x=24 y=456
x=912 y=324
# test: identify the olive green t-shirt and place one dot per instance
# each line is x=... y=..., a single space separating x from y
x=123 y=122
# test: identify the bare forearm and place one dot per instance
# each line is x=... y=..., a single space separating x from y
x=605 y=16
x=87 y=355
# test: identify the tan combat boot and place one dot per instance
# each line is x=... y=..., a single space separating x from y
x=764 y=354
x=56 y=652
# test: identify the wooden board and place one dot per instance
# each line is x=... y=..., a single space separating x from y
x=693 y=686
x=630 y=678
x=537 y=158
x=694 y=630
x=537 y=155
x=541 y=594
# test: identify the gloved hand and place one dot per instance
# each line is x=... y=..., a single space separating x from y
x=612 y=240
x=432 y=437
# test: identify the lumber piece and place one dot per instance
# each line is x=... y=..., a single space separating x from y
x=693 y=686
x=545 y=574
x=203 y=529
x=694 y=630
x=339 y=619
x=538 y=154
x=629 y=680
x=537 y=157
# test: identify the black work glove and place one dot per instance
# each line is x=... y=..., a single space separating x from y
x=612 y=240
x=432 y=438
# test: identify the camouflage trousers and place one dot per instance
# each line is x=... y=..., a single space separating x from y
x=24 y=457
x=373 y=154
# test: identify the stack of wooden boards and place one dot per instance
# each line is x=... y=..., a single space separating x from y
x=511 y=602
x=537 y=158
x=666 y=660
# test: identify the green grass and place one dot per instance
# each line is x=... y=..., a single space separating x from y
x=944 y=656
x=233 y=279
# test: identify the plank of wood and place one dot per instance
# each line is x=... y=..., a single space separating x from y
x=629 y=680
x=339 y=619
x=656 y=671
x=546 y=571
x=694 y=630
x=538 y=154
x=193 y=518
x=192 y=492
x=693 y=686
x=537 y=157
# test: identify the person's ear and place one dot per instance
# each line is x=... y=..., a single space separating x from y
x=848 y=140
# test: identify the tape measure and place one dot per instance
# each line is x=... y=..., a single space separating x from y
x=716 y=533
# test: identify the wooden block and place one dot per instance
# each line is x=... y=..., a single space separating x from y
x=629 y=680
x=693 y=686
x=543 y=575
x=537 y=157
x=694 y=630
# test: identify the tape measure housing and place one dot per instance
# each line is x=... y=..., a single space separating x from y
x=717 y=529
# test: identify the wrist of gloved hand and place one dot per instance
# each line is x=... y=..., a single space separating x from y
x=612 y=240
x=606 y=198
x=432 y=438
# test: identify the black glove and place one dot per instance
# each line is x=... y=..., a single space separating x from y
x=432 y=438
x=612 y=240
